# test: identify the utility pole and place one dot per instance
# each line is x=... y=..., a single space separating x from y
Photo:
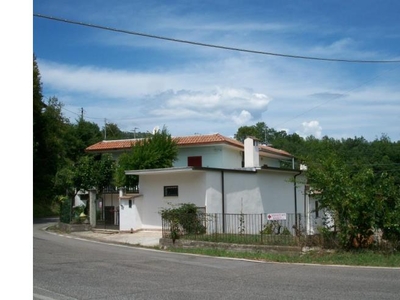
x=134 y=132
x=105 y=129
x=265 y=136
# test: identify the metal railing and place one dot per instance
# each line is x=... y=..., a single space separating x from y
x=234 y=228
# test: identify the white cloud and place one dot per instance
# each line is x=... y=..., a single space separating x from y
x=229 y=92
x=338 y=46
x=311 y=128
x=243 y=118
x=216 y=104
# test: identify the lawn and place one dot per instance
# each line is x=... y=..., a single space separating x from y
x=350 y=258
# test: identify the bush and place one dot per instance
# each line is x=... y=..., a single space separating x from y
x=273 y=227
x=65 y=210
x=183 y=220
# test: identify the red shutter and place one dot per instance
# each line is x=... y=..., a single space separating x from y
x=194 y=161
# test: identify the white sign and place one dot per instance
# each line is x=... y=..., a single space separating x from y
x=277 y=216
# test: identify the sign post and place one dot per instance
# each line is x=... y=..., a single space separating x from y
x=276 y=216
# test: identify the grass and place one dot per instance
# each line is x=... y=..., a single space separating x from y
x=252 y=239
x=350 y=258
x=360 y=257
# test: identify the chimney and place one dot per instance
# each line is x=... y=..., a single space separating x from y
x=251 y=153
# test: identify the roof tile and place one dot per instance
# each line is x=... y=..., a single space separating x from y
x=115 y=145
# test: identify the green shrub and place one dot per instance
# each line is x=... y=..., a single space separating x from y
x=183 y=220
x=65 y=210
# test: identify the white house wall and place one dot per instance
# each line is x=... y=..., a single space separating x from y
x=212 y=156
x=191 y=187
x=213 y=194
x=248 y=193
x=129 y=215
x=261 y=192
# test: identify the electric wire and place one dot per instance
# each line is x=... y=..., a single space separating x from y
x=232 y=49
x=213 y=45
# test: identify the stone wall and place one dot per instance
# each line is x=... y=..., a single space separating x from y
x=74 y=227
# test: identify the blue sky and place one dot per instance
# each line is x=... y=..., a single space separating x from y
x=141 y=82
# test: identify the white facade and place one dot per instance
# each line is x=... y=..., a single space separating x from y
x=128 y=213
x=217 y=190
x=251 y=153
x=224 y=178
x=215 y=156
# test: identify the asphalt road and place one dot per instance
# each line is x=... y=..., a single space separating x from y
x=67 y=268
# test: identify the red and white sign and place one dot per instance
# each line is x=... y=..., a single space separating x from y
x=276 y=216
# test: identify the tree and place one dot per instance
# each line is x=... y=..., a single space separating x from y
x=112 y=132
x=360 y=200
x=89 y=172
x=157 y=151
x=49 y=150
x=84 y=134
x=40 y=179
x=260 y=131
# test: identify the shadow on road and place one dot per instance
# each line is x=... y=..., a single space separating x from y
x=45 y=220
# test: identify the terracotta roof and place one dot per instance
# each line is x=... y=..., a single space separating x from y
x=111 y=145
x=207 y=139
x=181 y=141
x=269 y=149
x=193 y=140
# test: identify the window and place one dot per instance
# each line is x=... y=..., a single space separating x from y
x=194 y=161
x=170 y=191
x=316 y=209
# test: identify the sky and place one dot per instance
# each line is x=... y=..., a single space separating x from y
x=114 y=70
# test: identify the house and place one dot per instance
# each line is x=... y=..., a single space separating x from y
x=217 y=173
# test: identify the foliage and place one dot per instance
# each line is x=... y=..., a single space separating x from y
x=358 y=258
x=57 y=145
x=89 y=172
x=45 y=211
x=359 y=180
x=104 y=172
x=156 y=151
x=65 y=209
x=82 y=135
x=111 y=132
x=360 y=200
x=49 y=149
x=77 y=213
x=242 y=225
x=183 y=217
x=274 y=228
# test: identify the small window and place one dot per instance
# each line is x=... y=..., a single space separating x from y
x=316 y=209
x=130 y=203
x=170 y=191
x=194 y=161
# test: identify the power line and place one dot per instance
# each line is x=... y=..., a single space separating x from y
x=212 y=45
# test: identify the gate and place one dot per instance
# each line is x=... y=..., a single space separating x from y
x=107 y=210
